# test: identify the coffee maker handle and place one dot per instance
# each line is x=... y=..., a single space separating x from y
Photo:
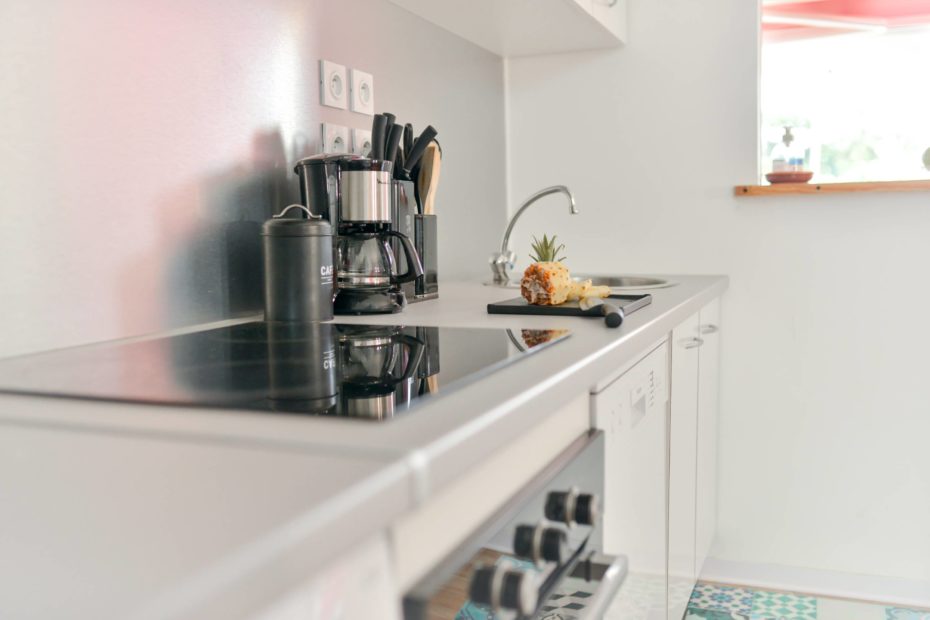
x=416 y=349
x=414 y=266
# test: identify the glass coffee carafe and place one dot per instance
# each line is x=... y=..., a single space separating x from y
x=364 y=261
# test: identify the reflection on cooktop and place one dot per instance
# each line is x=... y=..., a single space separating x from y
x=371 y=372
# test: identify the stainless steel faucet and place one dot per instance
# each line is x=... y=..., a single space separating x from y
x=502 y=263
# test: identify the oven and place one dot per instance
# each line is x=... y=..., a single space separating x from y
x=539 y=556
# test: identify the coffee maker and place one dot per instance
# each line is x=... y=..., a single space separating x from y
x=355 y=193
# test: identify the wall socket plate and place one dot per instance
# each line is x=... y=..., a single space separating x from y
x=335 y=138
x=362 y=92
x=334 y=85
x=361 y=142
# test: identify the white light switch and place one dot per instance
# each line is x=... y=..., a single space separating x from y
x=363 y=92
x=361 y=142
x=334 y=91
x=335 y=138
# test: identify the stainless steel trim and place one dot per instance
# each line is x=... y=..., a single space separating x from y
x=366 y=196
x=537 y=544
x=570 y=501
x=692 y=343
x=612 y=579
x=373 y=407
x=353 y=281
x=710 y=328
x=497 y=582
x=368 y=341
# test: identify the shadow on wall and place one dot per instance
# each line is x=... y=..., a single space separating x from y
x=209 y=262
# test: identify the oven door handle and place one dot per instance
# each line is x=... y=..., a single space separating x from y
x=611 y=571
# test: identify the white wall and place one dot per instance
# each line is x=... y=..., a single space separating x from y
x=825 y=425
x=142 y=143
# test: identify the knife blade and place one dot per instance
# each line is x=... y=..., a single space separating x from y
x=613 y=316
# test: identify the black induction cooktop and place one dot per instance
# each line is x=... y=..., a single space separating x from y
x=370 y=372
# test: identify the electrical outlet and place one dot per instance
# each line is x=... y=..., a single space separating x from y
x=362 y=92
x=335 y=138
x=361 y=142
x=333 y=85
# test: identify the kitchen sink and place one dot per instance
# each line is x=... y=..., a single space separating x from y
x=625 y=283
x=617 y=284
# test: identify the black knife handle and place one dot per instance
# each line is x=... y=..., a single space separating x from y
x=393 y=141
x=413 y=157
x=399 y=165
x=389 y=123
x=613 y=316
x=408 y=138
x=377 y=136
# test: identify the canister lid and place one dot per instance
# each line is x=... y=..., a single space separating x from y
x=284 y=225
x=363 y=163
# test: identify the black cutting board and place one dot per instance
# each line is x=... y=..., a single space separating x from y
x=627 y=303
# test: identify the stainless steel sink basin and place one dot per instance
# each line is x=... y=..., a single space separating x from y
x=627 y=283
x=617 y=284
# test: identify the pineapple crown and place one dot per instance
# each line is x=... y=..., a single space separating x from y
x=546 y=251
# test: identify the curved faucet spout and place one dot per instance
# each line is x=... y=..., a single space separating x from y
x=503 y=262
x=555 y=189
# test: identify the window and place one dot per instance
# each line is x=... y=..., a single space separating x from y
x=852 y=80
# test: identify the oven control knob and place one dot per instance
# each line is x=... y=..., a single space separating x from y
x=519 y=592
x=504 y=588
x=541 y=543
x=482 y=581
x=587 y=509
x=571 y=507
x=523 y=539
x=553 y=545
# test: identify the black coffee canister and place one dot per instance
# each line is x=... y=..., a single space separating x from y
x=298 y=254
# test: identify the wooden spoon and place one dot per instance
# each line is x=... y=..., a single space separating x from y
x=428 y=181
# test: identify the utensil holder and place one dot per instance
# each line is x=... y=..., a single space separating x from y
x=422 y=230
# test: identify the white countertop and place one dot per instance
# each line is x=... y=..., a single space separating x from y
x=197 y=504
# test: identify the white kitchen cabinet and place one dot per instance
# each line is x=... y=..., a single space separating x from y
x=632 y=413
x=708 y=395
x=611 y=14
x=683 y=423
x=526 y=27
x=660 y=423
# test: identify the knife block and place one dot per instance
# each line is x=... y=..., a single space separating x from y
x=421 y=229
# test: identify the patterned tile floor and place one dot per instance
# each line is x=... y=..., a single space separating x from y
x=719 y=602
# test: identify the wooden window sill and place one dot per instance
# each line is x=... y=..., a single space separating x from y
x=831 y=188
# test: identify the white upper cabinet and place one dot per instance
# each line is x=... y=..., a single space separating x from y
x=527 y=27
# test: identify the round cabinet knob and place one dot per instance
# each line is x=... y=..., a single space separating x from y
x=571 y=507
x=504 y=588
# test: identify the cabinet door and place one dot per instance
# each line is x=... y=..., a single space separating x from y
x=683 y=419
x=611 y=14
x=708 y=391
x=632 y=413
